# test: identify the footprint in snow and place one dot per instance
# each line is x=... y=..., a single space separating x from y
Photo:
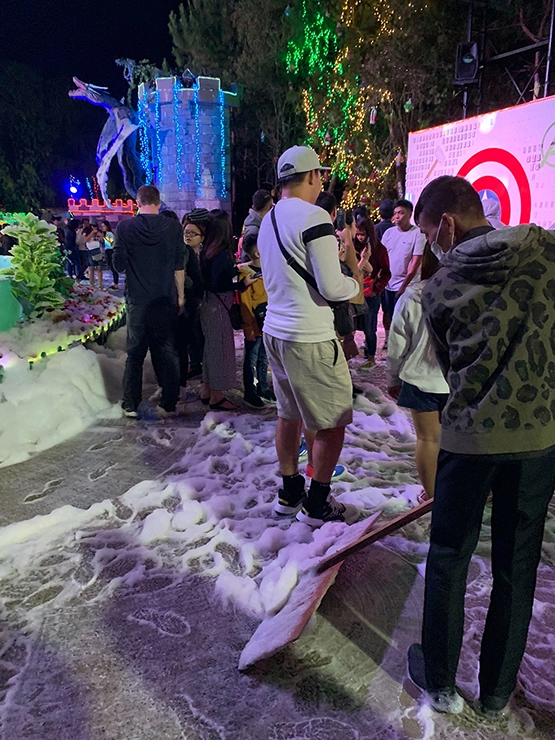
x=167 y=623
x=50 y=486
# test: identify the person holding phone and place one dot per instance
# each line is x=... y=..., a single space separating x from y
x=94 y=242
x=374 y=265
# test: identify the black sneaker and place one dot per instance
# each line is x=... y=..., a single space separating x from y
x=131 y=413
x=268 y=396
x=254 y=401
x=490 y=707
x=446 y=701
x=330 y=511
x=288 y=504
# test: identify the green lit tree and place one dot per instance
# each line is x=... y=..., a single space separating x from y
x=368 y=73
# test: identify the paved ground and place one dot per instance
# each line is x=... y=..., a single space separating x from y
x=159 y=660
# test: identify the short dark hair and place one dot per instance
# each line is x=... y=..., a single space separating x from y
x=403 y=203
x=327 y=201
x=250 y=243
x=261 y=199
x=386 y=209
x=447 y=194
x=148 y=195
x=296 y=179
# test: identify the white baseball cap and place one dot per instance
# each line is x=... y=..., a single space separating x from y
x=296 y=160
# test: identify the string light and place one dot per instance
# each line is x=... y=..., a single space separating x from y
x=158 y=126
x=177 y=133
x=198 y=153
x=114 y=322
x=144 y=140
x=340 y=109
x=221 y=104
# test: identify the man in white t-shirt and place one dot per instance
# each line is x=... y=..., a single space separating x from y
x=311 y=378
x=405 y=247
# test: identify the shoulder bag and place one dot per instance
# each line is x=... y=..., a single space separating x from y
x=343 y=320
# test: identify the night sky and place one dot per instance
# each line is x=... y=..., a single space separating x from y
x=82 y=38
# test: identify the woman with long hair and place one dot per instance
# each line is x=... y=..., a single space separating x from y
x=374 y=265
x=414 y=377
x=94 y=245
x=218 y=270
x=194 y=230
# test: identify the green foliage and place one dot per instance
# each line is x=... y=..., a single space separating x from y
x=204 y=37
x=38 y=279
x=137 y=72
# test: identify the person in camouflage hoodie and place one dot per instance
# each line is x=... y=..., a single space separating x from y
x=490 y=310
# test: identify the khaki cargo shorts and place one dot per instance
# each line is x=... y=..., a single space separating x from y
x=311 y=382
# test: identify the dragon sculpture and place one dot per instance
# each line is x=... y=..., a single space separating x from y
x=119 y=136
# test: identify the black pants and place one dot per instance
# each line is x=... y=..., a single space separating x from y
x=151 y=328
x=522 y=490
x=181 y=335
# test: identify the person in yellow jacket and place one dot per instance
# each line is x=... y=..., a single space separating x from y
x=254 y=300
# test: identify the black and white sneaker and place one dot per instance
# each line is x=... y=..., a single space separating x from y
x=130 y=413
x=288 y=504
x=268 y=396
x=330 y=511
x=446 y=701
x=254 y=401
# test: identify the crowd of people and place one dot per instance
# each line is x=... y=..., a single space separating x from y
x=468 y=308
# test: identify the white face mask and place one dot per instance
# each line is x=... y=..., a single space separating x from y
x=435 y=246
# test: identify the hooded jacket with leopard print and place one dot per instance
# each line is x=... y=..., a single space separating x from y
x=490 y=309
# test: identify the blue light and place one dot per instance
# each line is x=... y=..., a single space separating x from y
x=198 y=153
x=158 y=124
x=144 y=141
x=221 y=101
x=177 y=133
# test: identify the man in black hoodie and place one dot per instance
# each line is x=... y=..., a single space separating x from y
x=149 y=249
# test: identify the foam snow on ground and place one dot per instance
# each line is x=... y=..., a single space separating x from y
x=213 y=512
x=55 y=400
x=212 y=515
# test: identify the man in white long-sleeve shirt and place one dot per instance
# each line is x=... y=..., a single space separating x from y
x=311 y=377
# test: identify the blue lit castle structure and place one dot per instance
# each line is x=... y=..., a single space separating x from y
x=184 y=142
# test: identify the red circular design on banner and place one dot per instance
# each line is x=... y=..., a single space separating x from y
x=493 y=183
x=509 y=161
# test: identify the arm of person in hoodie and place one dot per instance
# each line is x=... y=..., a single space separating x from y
x=398 y=345
x=179 y=266
x=321 y=245
x=119 y=256
x=437 y=328
x=439 y=343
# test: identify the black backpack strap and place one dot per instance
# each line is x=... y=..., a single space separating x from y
x=291 y=261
